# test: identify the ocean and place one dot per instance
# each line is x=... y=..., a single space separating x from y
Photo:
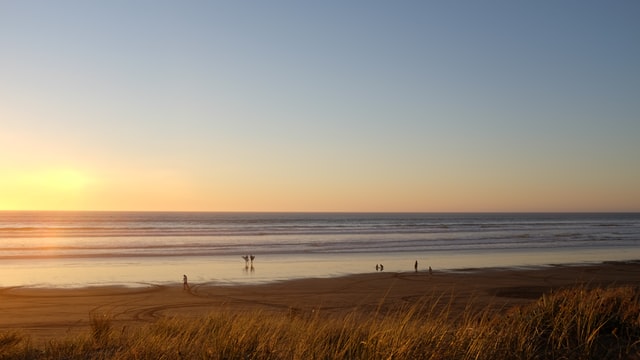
x=75 y=249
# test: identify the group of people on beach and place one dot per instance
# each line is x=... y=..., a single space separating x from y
x=380 y=267
x=415 y=267
x=251 y=257
x=248 y=258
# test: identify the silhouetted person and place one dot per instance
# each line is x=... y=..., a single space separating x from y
x=381 y=267
x=377 y=267
x=415 y=266
x=246 y=260
x=185 y=283
x=430 y=272
x=252 y=257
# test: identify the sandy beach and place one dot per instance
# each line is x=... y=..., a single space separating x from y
x=46 y=314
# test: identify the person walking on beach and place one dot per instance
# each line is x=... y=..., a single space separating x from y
x=415 y=266
x=430 y=271
x=185 y=283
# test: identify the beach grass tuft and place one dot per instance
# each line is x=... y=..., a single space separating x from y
x=101 y=328
x=578 y=323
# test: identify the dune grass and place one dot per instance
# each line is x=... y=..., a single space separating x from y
x=580 y=323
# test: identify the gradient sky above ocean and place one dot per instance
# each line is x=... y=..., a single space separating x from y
x=325 y=106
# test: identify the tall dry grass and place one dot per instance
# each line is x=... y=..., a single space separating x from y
x=570 y=324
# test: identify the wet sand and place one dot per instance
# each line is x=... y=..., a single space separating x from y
x=46 y=314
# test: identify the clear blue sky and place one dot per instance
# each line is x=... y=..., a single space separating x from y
x=323 y=106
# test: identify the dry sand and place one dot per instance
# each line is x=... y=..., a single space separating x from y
x=56 y=313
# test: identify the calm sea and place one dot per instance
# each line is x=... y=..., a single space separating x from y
x=137 y=248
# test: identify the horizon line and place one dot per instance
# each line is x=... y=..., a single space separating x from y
x=331 y=212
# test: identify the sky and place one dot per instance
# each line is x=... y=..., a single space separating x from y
x=389 y=106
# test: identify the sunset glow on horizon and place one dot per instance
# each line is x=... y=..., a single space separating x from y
x=329 y=106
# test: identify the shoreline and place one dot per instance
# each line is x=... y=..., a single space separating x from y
x=231 y=271
x=267 y=281
x=56 y=313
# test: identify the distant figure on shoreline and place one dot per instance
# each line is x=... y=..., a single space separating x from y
x=377 y=267
x=415 y=266
x=430 y=272
x=246 y=261
x=381 y=267
x=252 y=257
x=185 y=283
